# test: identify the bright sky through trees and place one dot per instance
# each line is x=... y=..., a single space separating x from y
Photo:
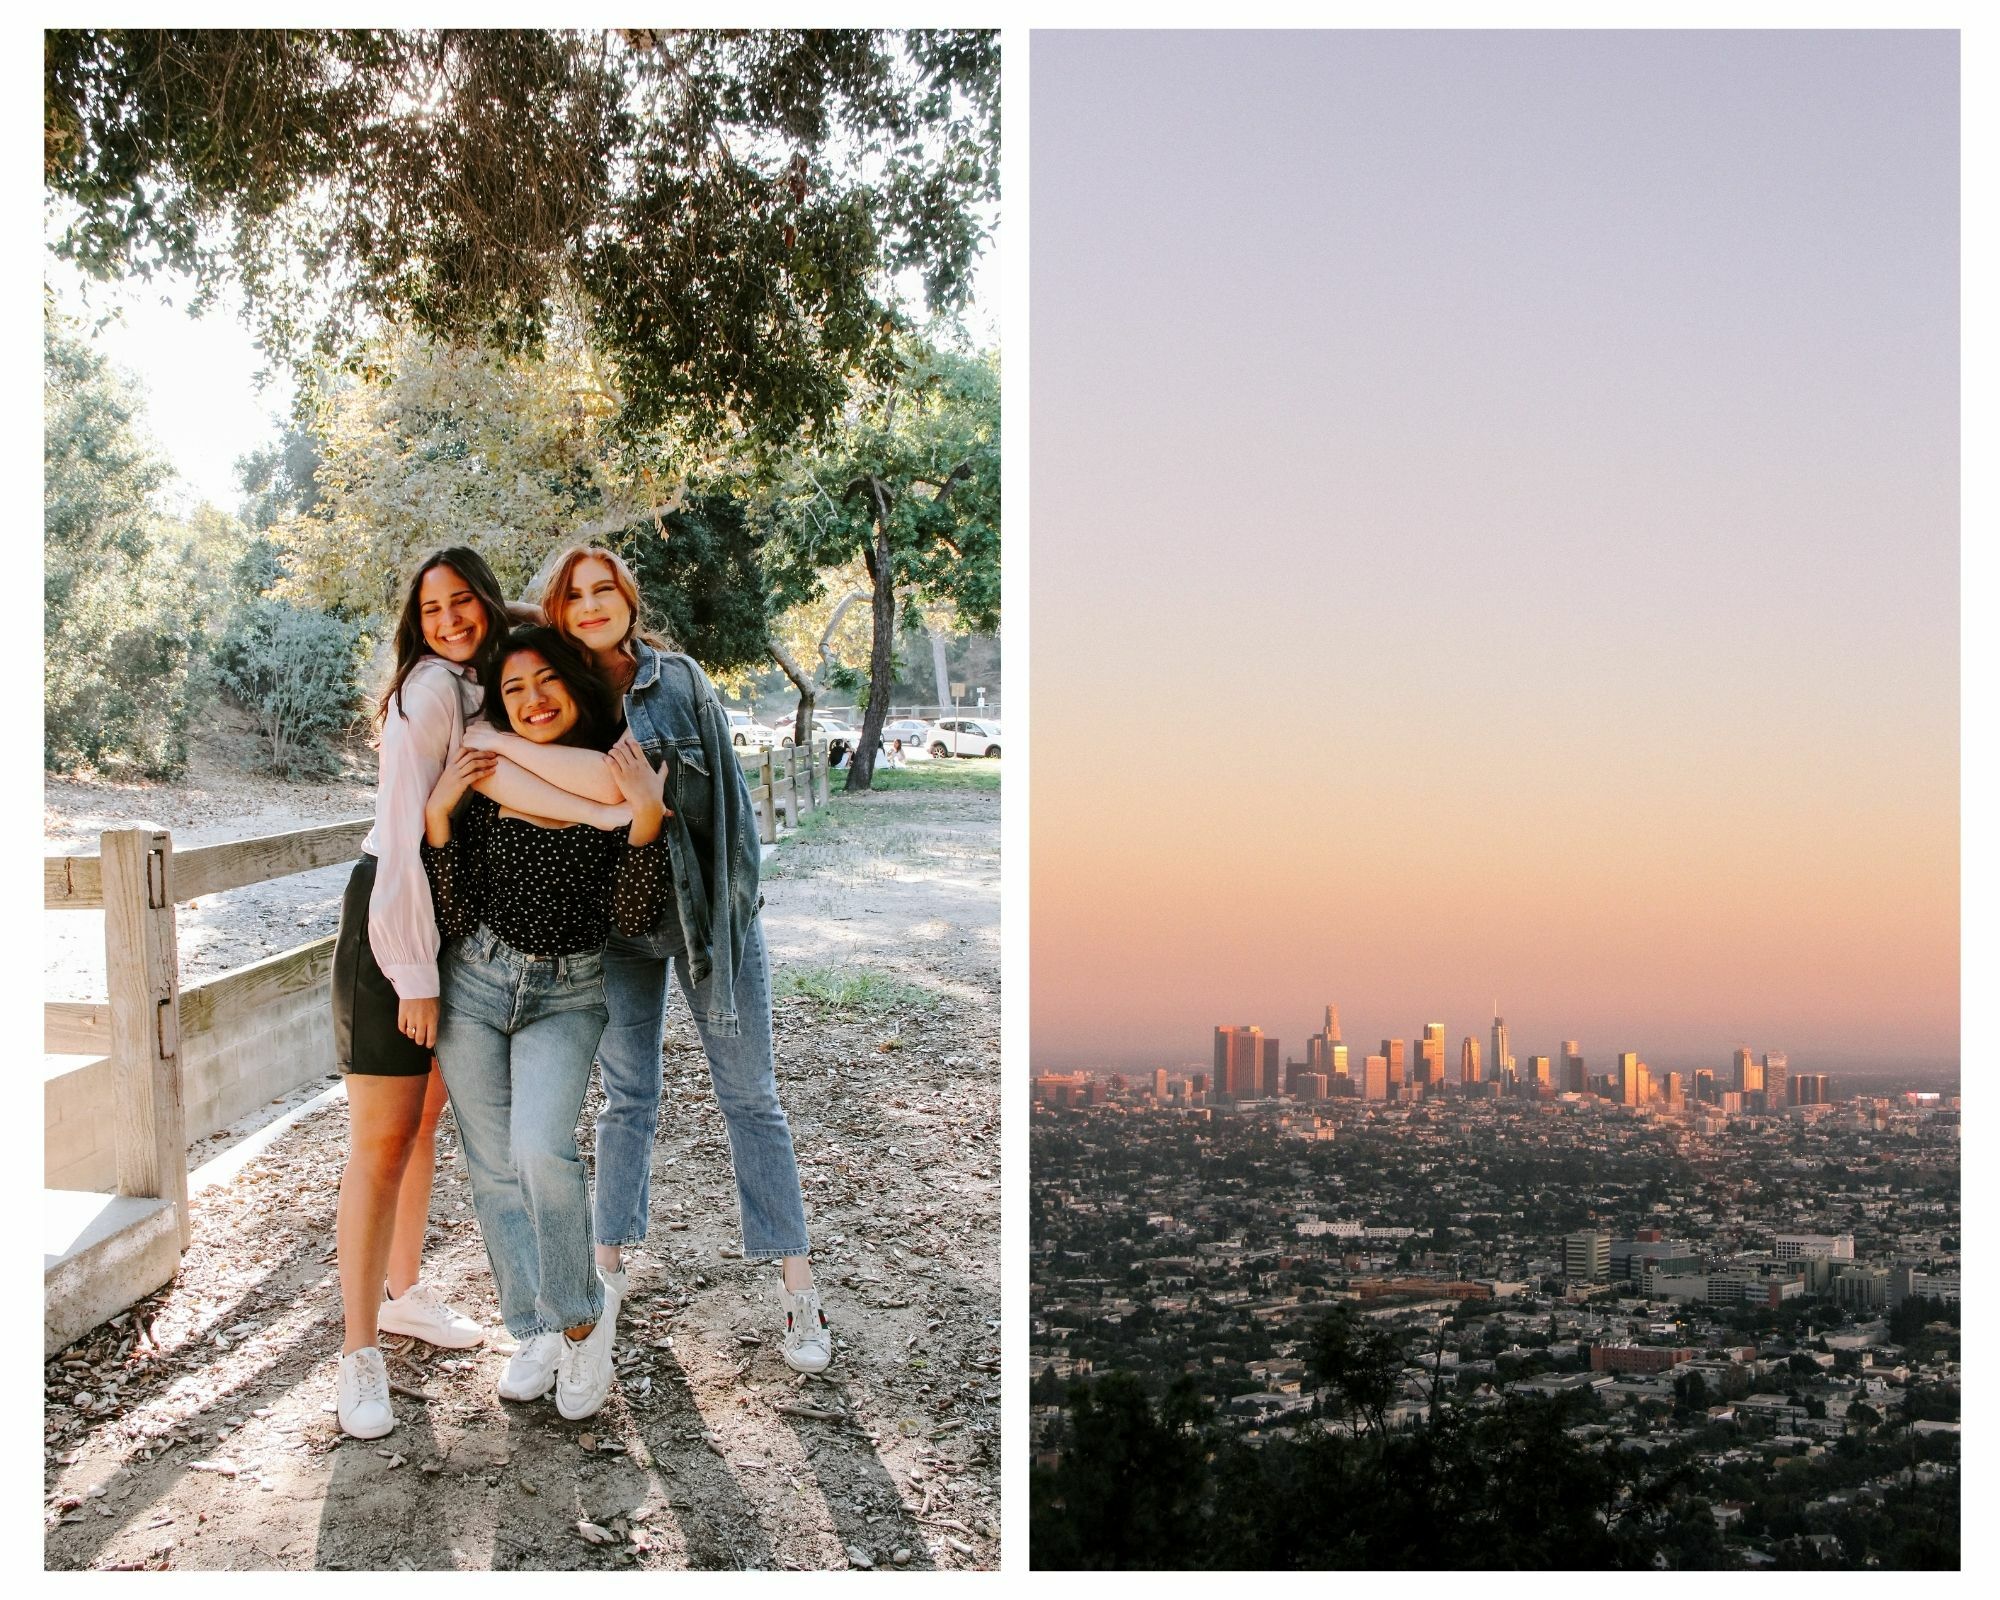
x=200 y=376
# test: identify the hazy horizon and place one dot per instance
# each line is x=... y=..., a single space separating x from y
x=1568 y=421
x=1598 y=1062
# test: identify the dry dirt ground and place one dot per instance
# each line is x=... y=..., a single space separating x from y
x=197 y=1432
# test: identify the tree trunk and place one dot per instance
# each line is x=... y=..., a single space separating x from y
x=882 y=655
x=802 y=723
x=943 y=675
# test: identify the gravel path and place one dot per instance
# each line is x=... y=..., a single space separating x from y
x=198 y=1432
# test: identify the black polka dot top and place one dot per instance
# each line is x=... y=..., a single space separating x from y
x=546 y=891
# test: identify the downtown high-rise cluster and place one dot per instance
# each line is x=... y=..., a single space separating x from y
x=1249 y=1064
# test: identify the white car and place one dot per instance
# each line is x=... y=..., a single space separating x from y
x=963 y=736
x=747 y=734
x=823 y=728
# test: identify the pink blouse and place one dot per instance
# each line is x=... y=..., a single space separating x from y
x=417 y=743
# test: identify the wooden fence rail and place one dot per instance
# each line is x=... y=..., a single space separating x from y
x=794 y=779
x=72 y=883
x=76 y=1027
x=211 y=869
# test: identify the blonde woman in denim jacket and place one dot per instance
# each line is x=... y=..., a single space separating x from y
x=710 y=935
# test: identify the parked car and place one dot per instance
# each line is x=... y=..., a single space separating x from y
x=746 y=733
x=908 y=729
x=963 y=736
x=827 y=728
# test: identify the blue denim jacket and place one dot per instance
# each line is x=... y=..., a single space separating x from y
x=675 y=714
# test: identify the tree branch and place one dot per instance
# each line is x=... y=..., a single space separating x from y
x=833 y=622
x=943 y=486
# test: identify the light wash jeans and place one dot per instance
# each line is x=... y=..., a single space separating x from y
x=516 y=1034
x=742 y=1069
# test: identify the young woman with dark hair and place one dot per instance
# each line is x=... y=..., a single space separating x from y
x=385 y=975
x=526 y=906
x=708 y=934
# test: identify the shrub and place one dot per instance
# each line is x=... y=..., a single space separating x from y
x=299 y=673
x=119 y=685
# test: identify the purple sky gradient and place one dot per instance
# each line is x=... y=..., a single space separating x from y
x=1495 y=534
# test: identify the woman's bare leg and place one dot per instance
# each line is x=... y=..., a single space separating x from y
x=413 y=1199
x=798 y=1273
x=383 y=1114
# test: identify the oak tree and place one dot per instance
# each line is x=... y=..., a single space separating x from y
x=908 y=483
x=730 y=210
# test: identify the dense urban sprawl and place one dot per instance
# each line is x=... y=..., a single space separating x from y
x=1741 y=1323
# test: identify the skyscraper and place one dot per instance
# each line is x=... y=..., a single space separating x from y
x=1430 y=1058
x=1503 y=1063
x=1339 y=1079
x=1160 y=1085
x=1749 y=1074
x=1272 y=1069
x=1392 y=1052
x=1376 y=1082
x=1628 y=1078
x=1777 y=1073
x=1319 y=1047
x=1468 y=1061
x=1248 y=1063
x=1239 y=1061
x=1575 y=1078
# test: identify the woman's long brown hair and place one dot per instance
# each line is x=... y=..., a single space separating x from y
x=471 y=566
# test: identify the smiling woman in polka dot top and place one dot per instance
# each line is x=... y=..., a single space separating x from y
x=527 y=906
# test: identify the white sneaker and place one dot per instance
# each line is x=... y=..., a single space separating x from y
x=531 y=1370
x=421 y=1312
x=363 y=1394
x=808 y=1340
x=583 y=1369
x=616 y=1289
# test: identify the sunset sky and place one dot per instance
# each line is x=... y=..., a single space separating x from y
x=1495 y=536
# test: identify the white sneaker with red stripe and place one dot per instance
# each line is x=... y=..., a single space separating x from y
x=808 y=1343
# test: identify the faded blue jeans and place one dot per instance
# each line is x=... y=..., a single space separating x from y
x=743 y=1070
x=516 y=1034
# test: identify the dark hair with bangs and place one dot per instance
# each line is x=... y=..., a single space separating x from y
x=597 y=708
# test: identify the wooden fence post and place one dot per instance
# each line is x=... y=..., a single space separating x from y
x=801 y=804
x=142 y=985
x=767 y=799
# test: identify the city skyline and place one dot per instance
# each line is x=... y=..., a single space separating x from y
x=1299 y=1045
x=1534 y=529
